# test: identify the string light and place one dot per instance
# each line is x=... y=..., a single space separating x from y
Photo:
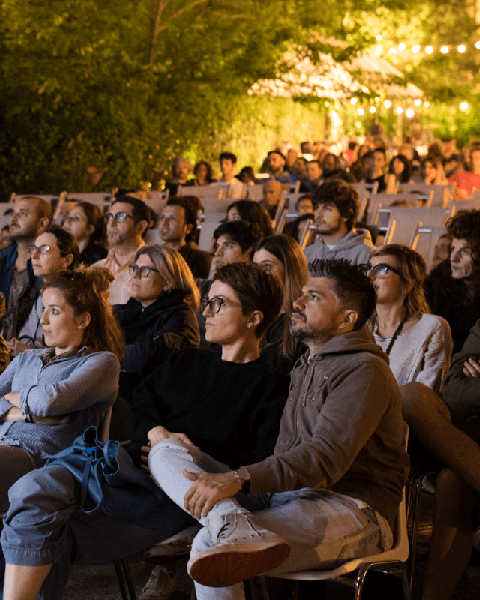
x=444 y=49
x=477 y=45
x=416 y=48
x=401 y=46
x=462 y=48
x=418 y=102
x=387 y=104
x=379 y=38
x=361 y=111
x=354 y=100
x=429 y=49
x=410 y=113
x=426 y=104
x=373 y=109
x=399 y=110
x=464 y=106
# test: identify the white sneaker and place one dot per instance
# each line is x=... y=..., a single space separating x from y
x=241 y=550
x=160 y=585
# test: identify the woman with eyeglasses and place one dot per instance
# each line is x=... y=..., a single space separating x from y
x=48 y=397
x=53 y=251
x=85 y=222
x=419 y=345
x=160 y=316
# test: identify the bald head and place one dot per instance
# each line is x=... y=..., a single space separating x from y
x=272 y=191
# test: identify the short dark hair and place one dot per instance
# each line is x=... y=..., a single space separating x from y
x=253 y=213
x=140 y=210
x=67 y=244
x=465 y=225
x=279 y=153
x=189 y=212
x=381 y=150
x=242 y=232
x=94 y=217
x=353 y=288
x=343 y=195
x=228 y=156
x=42 y=207
x=255 y=289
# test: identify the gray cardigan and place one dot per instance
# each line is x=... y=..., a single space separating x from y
x=80 y=387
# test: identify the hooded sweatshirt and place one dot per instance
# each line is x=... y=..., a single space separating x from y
x=356 y=247
x=342 y=427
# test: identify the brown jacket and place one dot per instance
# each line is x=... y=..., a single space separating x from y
x=342 y=427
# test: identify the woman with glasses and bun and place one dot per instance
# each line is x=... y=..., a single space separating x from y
x=49 y=396
x=419 y=345
x=160 y=316
x=54 y=250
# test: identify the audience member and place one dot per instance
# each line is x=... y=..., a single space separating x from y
x=467 y=180
x=271 y=193
x=282 y=256
x=49 y=397
x=159 y=317
x=5 y=237
x=276 y=166
x=376 y=161
x=296 y=229
x=336 y=213
x=299 y=171
x=290 y=160
x=228 y=404
x=433 y=170
x=330 y=166
x=442 y=250
x=305 y=204
x=228 y=163
x=181 y=169
x=177 y=225
x=452 y=289
x=419 y=345
x=314 y=177
x=343 y=384
x=126 y=221
x=53 y=251
x=203 y=173
x=85 y=222
x=30 y=217
x=398 y=173
x=248 y=210
x=247 y=175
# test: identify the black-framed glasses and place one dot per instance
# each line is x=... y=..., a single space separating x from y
x=141 y=271
x=43 y=249
x=119 y=217
x=380 y=270
x=216 y=303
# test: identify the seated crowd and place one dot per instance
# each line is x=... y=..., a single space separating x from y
x=263 y=387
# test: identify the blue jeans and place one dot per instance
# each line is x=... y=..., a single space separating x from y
x=44 y=526
x=323 y=528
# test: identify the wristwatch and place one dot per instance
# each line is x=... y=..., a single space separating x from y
x=243 y=476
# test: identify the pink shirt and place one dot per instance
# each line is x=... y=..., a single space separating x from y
x=465 y=180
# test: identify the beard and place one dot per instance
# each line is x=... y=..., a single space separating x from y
x=303 y=332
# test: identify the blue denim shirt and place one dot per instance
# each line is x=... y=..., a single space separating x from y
x=79 y=387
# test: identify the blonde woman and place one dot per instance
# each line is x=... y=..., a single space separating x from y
x=159 y=317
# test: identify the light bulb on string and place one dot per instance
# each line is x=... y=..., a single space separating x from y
x=463 y=105
x=429 y=49
x=444 y=49
x=426 y=104
x=379 y=38
x=354 y=100
x=401 y=46
x=477 y=45
x=373 y=109
x=387 y=104
x=361 y=111
x=418 y=102
x=462 y=48
x=399 y=110
x=410 y=113
x=416 y=48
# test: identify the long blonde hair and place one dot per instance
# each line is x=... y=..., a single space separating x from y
x=174 y=271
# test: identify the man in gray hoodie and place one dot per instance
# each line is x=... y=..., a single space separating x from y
x=333 y=485
x=336 y=211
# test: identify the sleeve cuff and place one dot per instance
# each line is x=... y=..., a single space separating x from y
x=5 y=406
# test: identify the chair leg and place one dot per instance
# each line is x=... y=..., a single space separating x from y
x=124 y=577
x=417 y=492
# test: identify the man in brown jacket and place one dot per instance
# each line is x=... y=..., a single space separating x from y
x=331 y=490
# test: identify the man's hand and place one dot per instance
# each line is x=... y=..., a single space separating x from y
x=207 y=490
x=471 y=368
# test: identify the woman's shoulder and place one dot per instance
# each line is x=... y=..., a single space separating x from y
x=430 y=321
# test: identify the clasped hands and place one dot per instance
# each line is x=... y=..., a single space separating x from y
x=471 y=367
x=207 y=488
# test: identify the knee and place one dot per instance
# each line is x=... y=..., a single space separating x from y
x=454 y=499
x=419 y=402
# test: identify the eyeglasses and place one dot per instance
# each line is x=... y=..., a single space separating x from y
x=380 y=270
x=68 y=219
x=216 y=303
x=142 y=272
x=43 y=249
x=119 y=217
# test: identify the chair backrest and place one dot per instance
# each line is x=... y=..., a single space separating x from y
x=207 y=227
x=437 y=195
x=363 y=196
x=376 y=202
x=464 y=205
x=255 y=191
x=102 y=200
x=408 y=218
x=425 y=241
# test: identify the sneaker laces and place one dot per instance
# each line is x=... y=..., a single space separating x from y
x=230 y=524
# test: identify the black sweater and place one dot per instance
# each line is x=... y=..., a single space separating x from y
x=230 y=411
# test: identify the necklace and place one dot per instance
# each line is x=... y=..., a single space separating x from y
x=396 y=334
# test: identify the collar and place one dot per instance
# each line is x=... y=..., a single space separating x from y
x=112 y=259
